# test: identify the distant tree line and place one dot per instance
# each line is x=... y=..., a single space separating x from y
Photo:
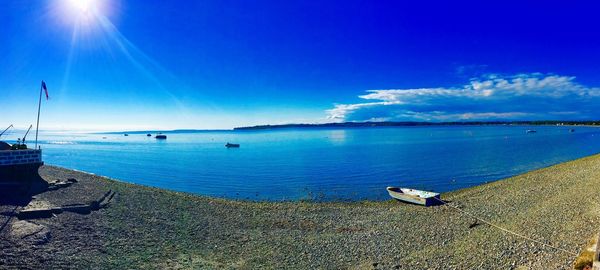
x=409 y=123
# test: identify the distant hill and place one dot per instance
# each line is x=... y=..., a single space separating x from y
x=363 y=124
x=402 y=124
x=163 y=131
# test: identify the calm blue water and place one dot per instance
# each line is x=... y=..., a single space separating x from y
x=321 y=164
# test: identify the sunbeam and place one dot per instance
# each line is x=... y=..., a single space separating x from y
x=130 y=51
x=67 y=74
x=93 y=29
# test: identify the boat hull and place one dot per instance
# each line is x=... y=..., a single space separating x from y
x=398 y=194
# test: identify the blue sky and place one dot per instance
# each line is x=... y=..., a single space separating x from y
x=113 y=65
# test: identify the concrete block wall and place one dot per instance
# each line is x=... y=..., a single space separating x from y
x=15 y=157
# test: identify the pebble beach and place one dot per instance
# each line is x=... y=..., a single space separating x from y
x=152 y=228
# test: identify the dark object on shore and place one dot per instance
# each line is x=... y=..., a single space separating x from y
x=415 y=196
x=5 y=146
x=148 y=135
x=530 y=131
x=75 y=208
x=161 y=137
x=232 y=145
x=18 y=167
x=61 y=184
x=474 y=224
x=58 y=185
x=38 y=213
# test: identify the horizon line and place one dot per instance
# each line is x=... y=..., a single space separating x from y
x=328 y=124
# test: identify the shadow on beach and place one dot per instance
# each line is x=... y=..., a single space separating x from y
x=21 y=191
x=18 y=193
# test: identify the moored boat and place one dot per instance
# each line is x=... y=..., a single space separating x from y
x=232 y=145
x=531 y=131
x=415 y=196
x=161 y=137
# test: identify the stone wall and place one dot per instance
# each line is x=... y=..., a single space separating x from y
x=15 y=157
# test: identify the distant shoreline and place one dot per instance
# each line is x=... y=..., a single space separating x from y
x=162 y=131
x=409 y=124
x=367 y=125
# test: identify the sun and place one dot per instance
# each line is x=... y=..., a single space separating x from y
x=82 y=8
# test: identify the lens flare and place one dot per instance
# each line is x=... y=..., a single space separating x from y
x=84 y=12
x=83 y=6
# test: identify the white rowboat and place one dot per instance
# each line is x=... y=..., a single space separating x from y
x=415 y=196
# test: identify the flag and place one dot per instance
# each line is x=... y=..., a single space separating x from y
x=45 y=89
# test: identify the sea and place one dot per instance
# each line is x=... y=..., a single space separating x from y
x=319 y=164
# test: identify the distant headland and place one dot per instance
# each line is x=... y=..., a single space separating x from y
x=368 y=124
x=403 y=124
x=162 y=131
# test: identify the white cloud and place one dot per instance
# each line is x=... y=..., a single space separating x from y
x=493 y=97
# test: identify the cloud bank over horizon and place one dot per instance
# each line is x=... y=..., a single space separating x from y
x=532 y=96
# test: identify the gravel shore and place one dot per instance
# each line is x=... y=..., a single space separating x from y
x=156 y=229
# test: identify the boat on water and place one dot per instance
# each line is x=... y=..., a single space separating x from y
x=160 y=137
x=530 y=131
x=232 y=145
x=425 y=198
x=148 y=135
x=571 y=130
x=125 y=134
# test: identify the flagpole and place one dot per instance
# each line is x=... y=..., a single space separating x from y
x=37 y=126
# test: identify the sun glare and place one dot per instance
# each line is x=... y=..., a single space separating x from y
x=83 y=6
x=82 y=11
